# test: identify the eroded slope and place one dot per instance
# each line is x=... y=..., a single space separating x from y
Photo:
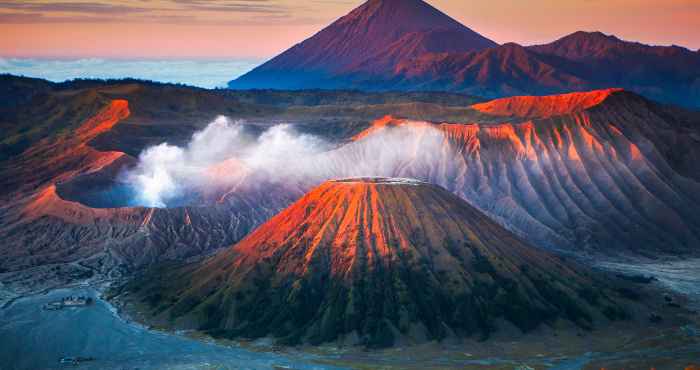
x=602 y=173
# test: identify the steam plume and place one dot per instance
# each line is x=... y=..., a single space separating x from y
x=222 y=155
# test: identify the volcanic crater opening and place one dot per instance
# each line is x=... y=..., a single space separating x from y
x=108 y=188
x=379 y=180
x=227 y=161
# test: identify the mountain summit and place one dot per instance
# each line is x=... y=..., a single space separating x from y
x=373 y=261
x=407 y=45
x=392 y=30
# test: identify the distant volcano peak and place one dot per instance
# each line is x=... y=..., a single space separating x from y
x=376 y=31
x=416 y=14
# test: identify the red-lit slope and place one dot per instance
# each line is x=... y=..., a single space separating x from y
x=49 y=204
x=371 y=261
x=544 y=106
x=67 y=155
x=621 y=176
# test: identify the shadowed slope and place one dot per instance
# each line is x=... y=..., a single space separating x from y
x=670 y=74
x=581 y=61
x=597 y=45
x=505 y=70
x=371 y=261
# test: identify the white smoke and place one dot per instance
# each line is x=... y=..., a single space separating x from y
x=164 y=171
x=280 y=148
x=155 y=177
x=222 y=155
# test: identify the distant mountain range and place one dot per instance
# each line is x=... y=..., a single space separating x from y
x=409 y=45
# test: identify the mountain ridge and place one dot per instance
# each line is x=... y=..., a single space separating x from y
x=582 y=45
x=443 y=55
x=583 y=179
x=545 y=106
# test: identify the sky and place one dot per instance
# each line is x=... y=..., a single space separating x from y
x=177 y=40
x=259 y=29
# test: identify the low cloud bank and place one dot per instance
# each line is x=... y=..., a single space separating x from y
x=201 y=73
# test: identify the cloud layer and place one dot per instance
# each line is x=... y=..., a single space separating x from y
x=201 y=73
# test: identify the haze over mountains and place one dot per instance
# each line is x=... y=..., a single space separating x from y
x=409 y=45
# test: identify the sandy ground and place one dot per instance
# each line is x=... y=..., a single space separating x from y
x=673 y=343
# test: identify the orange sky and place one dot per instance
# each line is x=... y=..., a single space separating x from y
x=261 y=28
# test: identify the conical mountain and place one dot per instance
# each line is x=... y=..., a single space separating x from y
x=374 y=261
x=396 y=29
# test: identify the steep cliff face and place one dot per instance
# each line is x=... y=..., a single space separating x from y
x=371 y=261
x=599 y=171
